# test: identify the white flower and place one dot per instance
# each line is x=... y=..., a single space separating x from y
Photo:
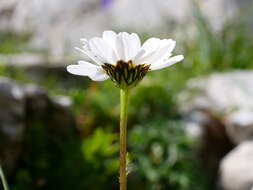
x=122 y=58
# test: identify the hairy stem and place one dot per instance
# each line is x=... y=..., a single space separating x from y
x=124 y=93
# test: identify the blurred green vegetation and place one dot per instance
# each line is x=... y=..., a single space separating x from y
x=13 y=73
x=160 y=155
x=226 y=49
x=11 y=42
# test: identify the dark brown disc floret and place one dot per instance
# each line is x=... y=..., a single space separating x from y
x=126 y=74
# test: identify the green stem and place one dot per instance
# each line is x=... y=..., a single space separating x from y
x=3 y=179
x=124 y=93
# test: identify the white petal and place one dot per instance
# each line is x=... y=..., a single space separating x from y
x=169 y=62
x=84 y=41
x=155 y=49
x=135 y=44
x=119 y=47
x=145 y=59
x=87 y=64
x=99 y=76
x=164 y=51
x=100 y=48
x=151 y=44
x=89 y=54
x=126 y=45
x=149 y=47
x=172 y=44
x=110 y=38
x=83 y=68
x=138 y=56
x=131 y=44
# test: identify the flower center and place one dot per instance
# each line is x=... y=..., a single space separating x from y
x=126 y=74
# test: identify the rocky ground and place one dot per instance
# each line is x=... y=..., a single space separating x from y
x=22 y=106
x=48 y=21
x=219 y=111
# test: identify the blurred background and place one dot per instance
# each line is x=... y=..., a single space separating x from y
x=190 y=125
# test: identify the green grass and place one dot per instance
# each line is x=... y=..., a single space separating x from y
x=11 y=42
x=2 y=177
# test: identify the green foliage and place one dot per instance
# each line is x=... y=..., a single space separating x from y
x=226 y=49
x=11 y=42
x=14 y=73
x=100 y=143
x=162 y=157
x=48 y=153
x=54 y=161
x=101 y=155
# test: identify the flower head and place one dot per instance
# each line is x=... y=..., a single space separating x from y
x=122 y=58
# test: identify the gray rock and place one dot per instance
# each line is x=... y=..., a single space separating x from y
x=213 y=142
x=236 y=169
x=228 y=96
x=220 y=106
x=63 y=101
x=49 y=20
x=240 y=125
x=12 y=120
x=23 y=106
x=42 y=69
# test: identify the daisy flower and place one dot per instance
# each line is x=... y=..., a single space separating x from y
x=122 y=58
